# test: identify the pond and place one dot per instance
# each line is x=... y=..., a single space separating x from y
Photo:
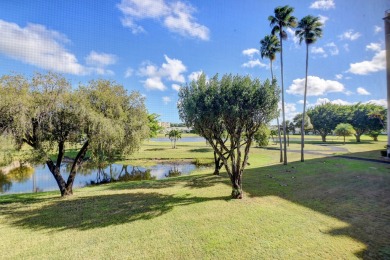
x=39 y=178
x=183 y=139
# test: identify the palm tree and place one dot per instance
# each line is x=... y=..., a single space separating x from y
x=270 y=45
x=282 y=19
x=174 y=135
x=308 y=30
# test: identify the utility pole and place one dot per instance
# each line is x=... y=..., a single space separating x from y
x=387 y=38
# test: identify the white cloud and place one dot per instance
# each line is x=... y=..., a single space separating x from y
x=301 y=101
x=374 y=47
x=316 y=86
x=250 y=52
x=346 y=47
x=166 y=100
x=350 y=35
x=289 y=108
x=100 y=59
x=317 y=50
x=253 y=63
x=329 y=48
x=377 y=63
x=154 y=83
x=292 y=36
x=182 y=22
x=129 y=72
x=39 y=46
x=339 y=76
x=176 y=87
x=377 y=29
x=380 y=102
x=177 y=16
x=362 y=91
x=332 y=48
x=323 y=19
x=194 y=75
x=171 y=70
x=323 y=4
x=321 y=101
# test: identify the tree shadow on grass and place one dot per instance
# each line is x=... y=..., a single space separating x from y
x=98 y=211
x=355 y=192
x=202 y=150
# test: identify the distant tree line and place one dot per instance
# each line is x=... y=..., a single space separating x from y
x=364 y=118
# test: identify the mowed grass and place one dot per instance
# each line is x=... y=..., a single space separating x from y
x=325 y=208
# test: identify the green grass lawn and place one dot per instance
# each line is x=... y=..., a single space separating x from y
x=325 y=208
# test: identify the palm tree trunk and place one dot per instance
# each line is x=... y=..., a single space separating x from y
x=283 y=112
x=304 y=106
x=277 y=120
x=280 y=140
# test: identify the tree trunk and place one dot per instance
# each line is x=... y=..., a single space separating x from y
x=375 y=138
x=236 y=186
x=344 y=139
x=283 y=111
x=218 y=164
x=280 y=140
x=323 y=138
x=304 y=106
x=357 y=137
x=75 y=166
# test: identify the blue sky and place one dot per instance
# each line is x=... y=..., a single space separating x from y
x=156 y=46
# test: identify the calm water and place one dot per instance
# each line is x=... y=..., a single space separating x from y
x=184 y=139
x=40 y=179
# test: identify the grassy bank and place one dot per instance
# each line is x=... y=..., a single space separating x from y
x=327 y=207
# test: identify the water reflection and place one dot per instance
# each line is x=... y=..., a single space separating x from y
x=174 y=172
x=40 y=179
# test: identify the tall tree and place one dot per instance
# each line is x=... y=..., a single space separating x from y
x=46 y=114
x=269 y=46
x=283 y=19
x=235 y=106
x=308 y=30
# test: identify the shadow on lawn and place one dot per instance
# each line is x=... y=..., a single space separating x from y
x=98 y=211
x=356 y=192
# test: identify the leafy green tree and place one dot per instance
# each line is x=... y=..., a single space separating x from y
x=291 y=127
x=325 y=118
x=174 y=135
x=153 y=124
x=273 y=133
x=374 y=135
x=235 y=106
x=297 y=121
x=344 y=130
x=46 y=114
x=363 y=121
x=283 y=19
x=269 y=46
x=262 y=135
x=308 y=30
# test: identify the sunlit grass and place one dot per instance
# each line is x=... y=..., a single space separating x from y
x=325 y=208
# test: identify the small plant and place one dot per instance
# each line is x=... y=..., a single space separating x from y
x=344 y=130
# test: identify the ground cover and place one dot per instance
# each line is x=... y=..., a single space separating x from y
x=327 y=207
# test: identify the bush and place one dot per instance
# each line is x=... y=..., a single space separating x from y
x=262 y=136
